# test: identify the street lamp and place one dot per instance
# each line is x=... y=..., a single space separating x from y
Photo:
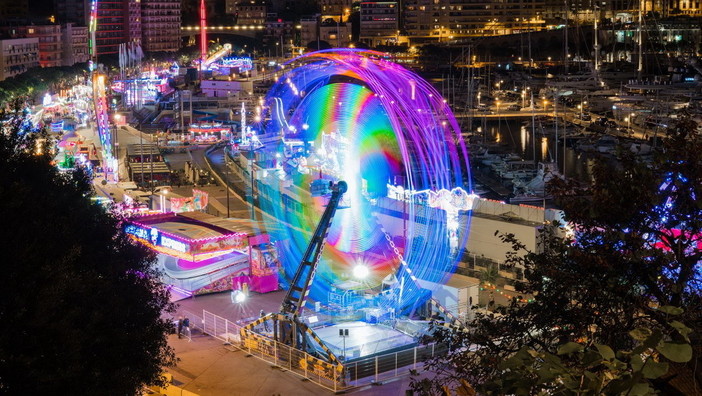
x=631 y=119
x=164 y=192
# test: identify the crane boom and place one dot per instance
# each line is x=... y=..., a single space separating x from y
x=294 y=300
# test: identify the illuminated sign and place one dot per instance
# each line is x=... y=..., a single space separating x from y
x=189 y=249
x=138 y=232
x=171 y=243
x=155 y=238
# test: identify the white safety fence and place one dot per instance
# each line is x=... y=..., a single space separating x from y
x=374 y=369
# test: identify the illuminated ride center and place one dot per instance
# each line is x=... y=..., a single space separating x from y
x=354 y=117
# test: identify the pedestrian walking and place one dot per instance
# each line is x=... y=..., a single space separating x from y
x=186 y=327
x=265 y=322
x=180 y=326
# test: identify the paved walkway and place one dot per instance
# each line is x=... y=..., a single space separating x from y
x=210 y=368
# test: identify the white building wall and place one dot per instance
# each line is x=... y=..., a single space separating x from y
x=17 y=56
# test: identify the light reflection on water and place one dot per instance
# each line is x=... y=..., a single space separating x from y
x=520 y=139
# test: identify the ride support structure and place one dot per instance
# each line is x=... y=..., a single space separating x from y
x=287 y=326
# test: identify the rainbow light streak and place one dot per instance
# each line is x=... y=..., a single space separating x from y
x=352 y=115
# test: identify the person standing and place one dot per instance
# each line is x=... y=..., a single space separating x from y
x=186 y=327
x=265 y=322
x=180 y=326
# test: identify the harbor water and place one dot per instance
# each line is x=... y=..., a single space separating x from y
x=513 y=135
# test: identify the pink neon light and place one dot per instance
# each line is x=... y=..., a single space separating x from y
x=194 y=257
x=203 y=33
x=171 y=214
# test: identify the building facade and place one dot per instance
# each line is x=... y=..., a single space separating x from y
x=112 y=25
x=279 y=35
x=336 y=34
x=50 y=44
x=160 y=25
x=75 y=44
x=335 y=9
x=379 y=23
x=309 y=30
x=17 y=55
x=251 y=12
x=449 y=20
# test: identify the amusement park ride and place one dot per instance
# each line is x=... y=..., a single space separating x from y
x=287 y=326
x=360 y=133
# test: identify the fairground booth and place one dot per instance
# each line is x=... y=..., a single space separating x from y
x=199 y=257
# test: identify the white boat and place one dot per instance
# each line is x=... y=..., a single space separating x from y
x=537 y=186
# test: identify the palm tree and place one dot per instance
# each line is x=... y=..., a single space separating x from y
x=489 y=275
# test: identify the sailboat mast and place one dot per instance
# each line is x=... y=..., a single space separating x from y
x=565 y=40
x=640 y=70
x=597 y=46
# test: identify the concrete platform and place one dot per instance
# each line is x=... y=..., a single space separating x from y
x=364 y=339
x=209 y=368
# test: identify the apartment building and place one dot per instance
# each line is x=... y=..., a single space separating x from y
x=249 y=12
x=17 y=55
x=309 y=30
x=278 y=35
x=334 y=33
x=160 y=25
x=75 y=44
x=112 y=25
x=448 y=20
x=50 y=44
x=379 y=23
x=339 y=10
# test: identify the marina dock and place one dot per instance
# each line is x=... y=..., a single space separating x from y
x=493 y=184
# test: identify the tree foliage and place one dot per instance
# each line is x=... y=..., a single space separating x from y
x=80 y=305
x=634 y=252
x=39 y=80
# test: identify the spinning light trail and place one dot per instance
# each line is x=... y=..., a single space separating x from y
x=352 y=115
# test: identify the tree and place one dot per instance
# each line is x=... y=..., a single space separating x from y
x=80 y=304
x=636 y=246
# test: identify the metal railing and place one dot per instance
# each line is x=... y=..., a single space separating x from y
x=351 y=374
